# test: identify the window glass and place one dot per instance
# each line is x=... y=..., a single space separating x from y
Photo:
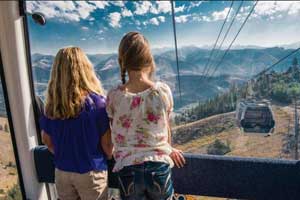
x=225 y=106
x=9 y=181
x=228 y=105
x=97 y=27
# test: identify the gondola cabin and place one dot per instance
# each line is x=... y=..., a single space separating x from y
x=255 y=116
x=255 y=168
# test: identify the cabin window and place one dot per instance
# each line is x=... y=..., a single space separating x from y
x=221 y=88
x=10 y=178
x=214 y=81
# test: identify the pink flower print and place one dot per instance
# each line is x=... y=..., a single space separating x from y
x=118 y=154
x=140 y=136
x=152 y=117
x=141 y=145
x=135 y=102
x=122 y=154
x=159 y=152
x=125 y=121
x=120 y=139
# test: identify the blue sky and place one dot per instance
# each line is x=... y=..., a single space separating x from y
x=97 y=26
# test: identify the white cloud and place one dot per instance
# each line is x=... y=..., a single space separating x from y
x=158 y=7
x=114 y=19
x=182 y=18
x=118 y=3
x=84 y=9
x=179 y=9
x=154 y=21
x=219 y=15
x=276 y=9
x=85 y=28
x=194 y=4
x=99 y=4
x=65 y=10
x=163 y=6
x=83 y=39
x=126 y=13
x=137 y=22
x=162 y=18
x=92 y=19
x=142 y=8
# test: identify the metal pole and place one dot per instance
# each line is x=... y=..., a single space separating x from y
x=296 y=131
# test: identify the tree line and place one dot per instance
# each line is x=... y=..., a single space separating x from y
x=283 y=87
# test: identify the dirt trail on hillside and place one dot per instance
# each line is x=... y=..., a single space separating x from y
x=197 y=136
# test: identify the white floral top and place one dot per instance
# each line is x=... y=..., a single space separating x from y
x=140 y=125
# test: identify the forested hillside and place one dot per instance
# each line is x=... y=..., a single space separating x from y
x=281 y=87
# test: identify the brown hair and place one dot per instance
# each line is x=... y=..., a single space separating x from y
x=134 y=54
x=72 y=77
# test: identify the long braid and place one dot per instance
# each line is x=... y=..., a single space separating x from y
x=123 y=75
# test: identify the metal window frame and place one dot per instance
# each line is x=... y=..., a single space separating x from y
x=22 y=9
x=11 y=127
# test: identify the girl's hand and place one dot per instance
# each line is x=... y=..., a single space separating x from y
x=177 y=157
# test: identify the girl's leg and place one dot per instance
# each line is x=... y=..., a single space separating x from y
x=92 y=185
x=64 y=186
x=158 y=181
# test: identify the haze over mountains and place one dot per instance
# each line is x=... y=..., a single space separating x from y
x=238 y=66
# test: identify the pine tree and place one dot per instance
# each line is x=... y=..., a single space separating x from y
x=295 y=62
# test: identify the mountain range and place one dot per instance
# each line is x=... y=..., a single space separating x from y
x=237 y=67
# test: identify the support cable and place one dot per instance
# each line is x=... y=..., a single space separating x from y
x=215 y=44
x=176 y=50
x=227 y=50
x=226 y=34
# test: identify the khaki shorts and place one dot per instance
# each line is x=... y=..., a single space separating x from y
x=89 y=186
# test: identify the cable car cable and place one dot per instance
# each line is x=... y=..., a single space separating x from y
x=227 y=50
x=215 y=44
x=225 y=36
x=176 y=50
x=276 y=63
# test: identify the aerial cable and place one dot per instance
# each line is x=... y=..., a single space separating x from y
x=276 y=63
x=226 y=34
x=214 y=47
x=176 y=50
x=227 y=50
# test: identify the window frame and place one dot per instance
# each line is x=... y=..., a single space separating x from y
x=11 y=128
x=22 y=10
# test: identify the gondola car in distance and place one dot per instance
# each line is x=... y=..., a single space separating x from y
x=254 y=116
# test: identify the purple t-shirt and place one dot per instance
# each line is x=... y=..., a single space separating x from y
x=76 y=141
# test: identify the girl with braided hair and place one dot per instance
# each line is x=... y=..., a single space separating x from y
x=139 y=111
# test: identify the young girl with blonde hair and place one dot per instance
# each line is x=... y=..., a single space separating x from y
x=139 y=110
x=75 y=127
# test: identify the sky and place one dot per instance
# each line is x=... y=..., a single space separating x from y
x=98 y=26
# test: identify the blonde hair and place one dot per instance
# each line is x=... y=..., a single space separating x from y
x=72 y=78
x=134 y=54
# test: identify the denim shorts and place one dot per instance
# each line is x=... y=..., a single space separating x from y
x=147 y=181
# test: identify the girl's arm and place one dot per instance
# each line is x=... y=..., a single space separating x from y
x=176 y=155
x=47 y=141
x=107 y=144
